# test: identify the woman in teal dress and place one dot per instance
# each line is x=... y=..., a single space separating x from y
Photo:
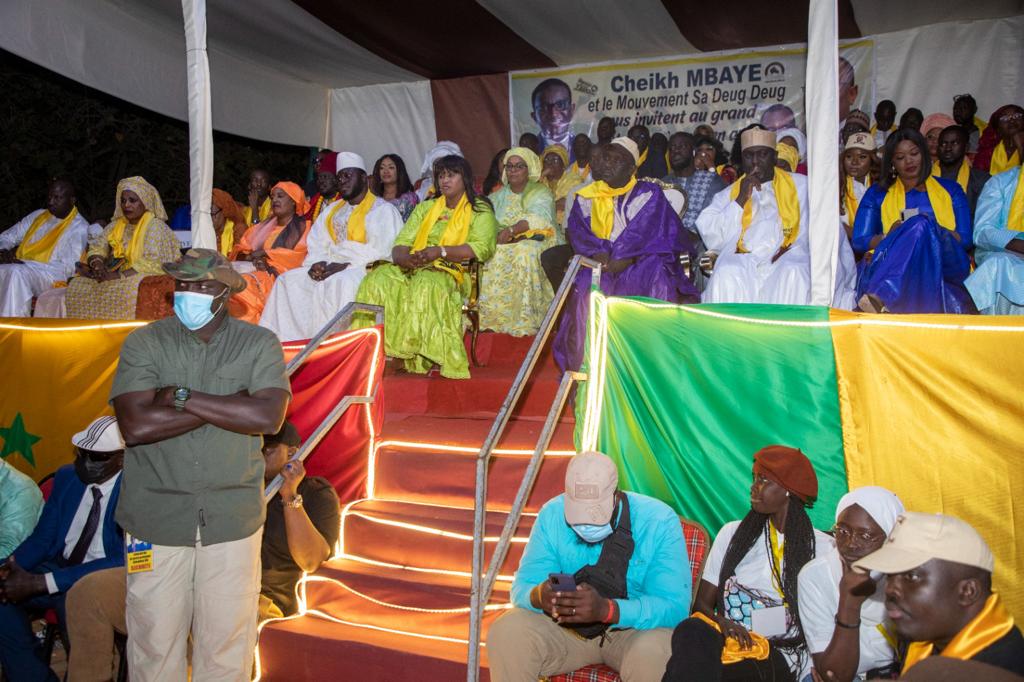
x=514 y=291
x=422 y=290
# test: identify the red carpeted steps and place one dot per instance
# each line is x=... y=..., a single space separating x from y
x=394 y=604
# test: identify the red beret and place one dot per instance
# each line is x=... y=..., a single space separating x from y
x=327 y=162
x=790 y=468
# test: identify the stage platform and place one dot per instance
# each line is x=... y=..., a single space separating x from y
x=394 y=603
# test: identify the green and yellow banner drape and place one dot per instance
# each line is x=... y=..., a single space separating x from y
x=929 y=406
x=57 y=376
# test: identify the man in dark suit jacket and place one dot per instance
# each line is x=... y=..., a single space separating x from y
x=76 y=535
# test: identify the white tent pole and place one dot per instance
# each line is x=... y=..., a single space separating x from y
x=823 y=146
x=200 y=124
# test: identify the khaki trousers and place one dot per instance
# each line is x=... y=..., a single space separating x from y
x=95 y=609
x=212 y=590
x=523 y=645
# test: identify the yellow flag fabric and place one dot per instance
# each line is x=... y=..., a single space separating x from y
x=60 y=388
x=950 y=440
x=602 y=205
x=1000 y=162
x=133 y=252
x=962 y=175
x=896 y=200
x=356 y=228
x=42 y=250
x=787 y=201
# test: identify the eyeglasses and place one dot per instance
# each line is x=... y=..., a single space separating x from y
x=95 y=455
x=845 y=534
x=515 y=166
x=561 y=105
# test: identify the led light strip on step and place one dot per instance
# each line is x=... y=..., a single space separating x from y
x=307 y=579
x=371 y=475
x=73 y=328
x=429 y=529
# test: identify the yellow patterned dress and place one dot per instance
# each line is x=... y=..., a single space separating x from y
x=115 y=300
x=514 y=291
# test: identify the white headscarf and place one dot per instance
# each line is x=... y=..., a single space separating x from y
x=796 y=134
x=881 y=505
x=443 y=148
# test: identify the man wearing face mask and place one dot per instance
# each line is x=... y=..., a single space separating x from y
x=75 y=536
x=626 y=555
x=192 y=394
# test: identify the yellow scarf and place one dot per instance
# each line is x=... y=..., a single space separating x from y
x=874 y=129
x=962 y=175
x=135 y=248
x=456 y=232
x=602 y=205
x=778 y=551
x=850 y=199
x=42 y=250
x=999 y=161
x=990 y=625
x=731 y=652
x=896 y=200
x=356 y=229
x=643 y=157
x=264 y=212
x=1015 y=220
x=227 y=238
x=576 y=169
x=787 y=201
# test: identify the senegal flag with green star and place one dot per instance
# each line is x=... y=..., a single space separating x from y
x=57 y=375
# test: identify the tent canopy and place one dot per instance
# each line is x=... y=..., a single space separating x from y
x=274 y=62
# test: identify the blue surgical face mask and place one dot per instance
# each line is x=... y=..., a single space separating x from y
x=194 y=309
x=593 y=534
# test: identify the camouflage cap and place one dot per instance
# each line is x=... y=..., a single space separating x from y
x=204 y=264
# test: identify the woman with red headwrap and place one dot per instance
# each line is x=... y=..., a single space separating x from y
x=746 y=622
x=269 y=248
x=996 y=151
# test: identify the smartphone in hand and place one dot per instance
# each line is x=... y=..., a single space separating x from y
x=562 y=582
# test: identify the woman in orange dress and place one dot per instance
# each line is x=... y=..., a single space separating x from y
x=269 y=248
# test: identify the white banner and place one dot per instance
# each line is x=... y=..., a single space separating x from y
x=726 y=90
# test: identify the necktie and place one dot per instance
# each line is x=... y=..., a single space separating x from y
x=89 y=531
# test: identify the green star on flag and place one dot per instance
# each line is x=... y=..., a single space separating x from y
x=17 y=439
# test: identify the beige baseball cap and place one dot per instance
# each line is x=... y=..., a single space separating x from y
x=590 y=483
x=918 y=538
x=860 y=141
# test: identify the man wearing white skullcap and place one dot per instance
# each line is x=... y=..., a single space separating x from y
x=357 y=229
x=75 y=536
x=758 y=227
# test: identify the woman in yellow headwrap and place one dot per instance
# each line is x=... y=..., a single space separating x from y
x=422 y=291
x=271 y=247
x=514 y=291
x=559 y=177
x=134 y=245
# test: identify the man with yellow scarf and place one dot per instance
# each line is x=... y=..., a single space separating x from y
x=938 y=593
x=997 y=286
x=758 y=227
x=632 y=230
x=422 y=289
x=40 y=249
x=352 y=232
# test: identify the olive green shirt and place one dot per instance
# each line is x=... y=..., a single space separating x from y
x=208 y=478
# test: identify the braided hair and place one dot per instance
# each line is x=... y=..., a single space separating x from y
x=797 y=551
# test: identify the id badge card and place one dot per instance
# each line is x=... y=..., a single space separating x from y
x=138 y=554
x=769 y=622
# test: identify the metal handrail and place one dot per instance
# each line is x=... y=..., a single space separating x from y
x=343 y=317
x=476 y=600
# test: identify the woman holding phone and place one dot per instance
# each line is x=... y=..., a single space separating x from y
x=914 y=231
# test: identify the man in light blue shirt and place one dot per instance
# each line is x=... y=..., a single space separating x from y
x=997 y=285
x=631 y=547
x=20 y=503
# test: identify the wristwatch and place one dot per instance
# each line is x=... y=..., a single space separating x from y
x=296 y=502
x=444 y=253
x=181 y=395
